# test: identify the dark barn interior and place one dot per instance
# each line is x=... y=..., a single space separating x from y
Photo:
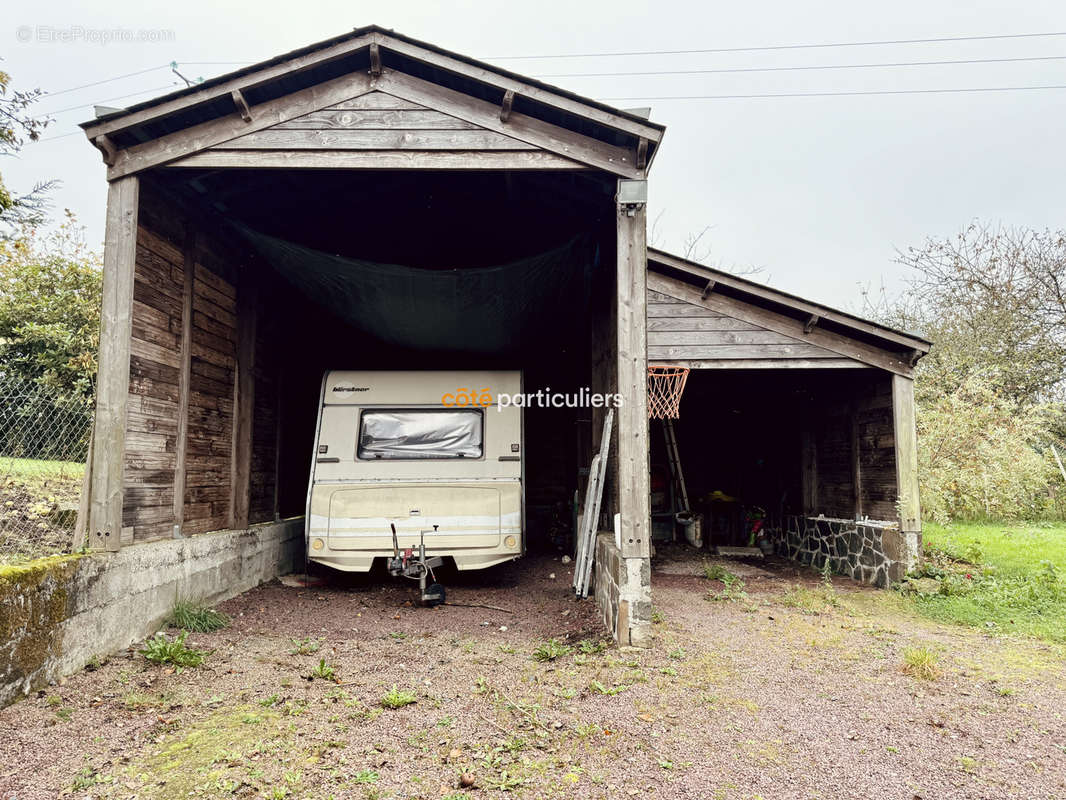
x=538 y=319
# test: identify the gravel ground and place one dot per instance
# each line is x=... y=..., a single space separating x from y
x=777 y=687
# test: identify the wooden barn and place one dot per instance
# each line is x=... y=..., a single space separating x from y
x=255 y=222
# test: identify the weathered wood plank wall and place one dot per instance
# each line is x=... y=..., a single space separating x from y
x=179 y=457
x=680 y=330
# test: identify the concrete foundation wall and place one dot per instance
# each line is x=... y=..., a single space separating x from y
x=57 y=614
x=623 y=592
x=877 y=553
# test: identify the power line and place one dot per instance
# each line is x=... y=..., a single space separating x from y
x=800 y=68
x=763 y=48
x=108 y=100
x=105 y=80
x=835 y=94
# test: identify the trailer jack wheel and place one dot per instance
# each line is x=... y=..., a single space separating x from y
x=433 y=595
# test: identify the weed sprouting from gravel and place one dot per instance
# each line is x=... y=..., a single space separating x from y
x=162 y=650
x=324 y=671
x=198 y=619
x=397 y=698
x=366 y=776
x=921 y=663
x=305 y=646
x=550 y=650
x=592 y=646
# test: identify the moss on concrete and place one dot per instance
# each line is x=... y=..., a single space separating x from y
x=35 y=600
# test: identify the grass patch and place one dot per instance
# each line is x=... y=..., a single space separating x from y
x=921 y=663
x=397 y=698
x=199 y=619
x=162 y=650
x=550 y=650
x=1003 y=579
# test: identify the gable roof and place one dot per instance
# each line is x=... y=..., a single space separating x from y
x=373 y=51
x=820 y=323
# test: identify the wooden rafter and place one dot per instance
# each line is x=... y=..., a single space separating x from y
x=242 y=105
x=593 y=152
x=200 y=137
x=505 y=106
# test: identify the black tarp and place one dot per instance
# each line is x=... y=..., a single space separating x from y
x=482 y=310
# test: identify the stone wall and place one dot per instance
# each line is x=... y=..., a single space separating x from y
x=623 y=592
x=872 y=552
x=57 y=614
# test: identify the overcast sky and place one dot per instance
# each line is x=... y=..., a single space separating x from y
x=817 y=191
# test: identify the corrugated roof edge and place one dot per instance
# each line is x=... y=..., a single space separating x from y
x=354 y=34
x=765 y=292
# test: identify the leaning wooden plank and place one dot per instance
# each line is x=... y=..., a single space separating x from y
x=739 y=552
x=113 y=375
x=582 y=539
x=592 y=524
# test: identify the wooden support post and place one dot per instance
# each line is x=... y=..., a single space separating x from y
x=184 y=371
x=633 y=481
x=113 y=375
x=809 y=469
x=906 y=454
x=856 y=458
x=243 y=405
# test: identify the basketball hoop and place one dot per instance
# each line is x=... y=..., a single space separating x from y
x=665 y=385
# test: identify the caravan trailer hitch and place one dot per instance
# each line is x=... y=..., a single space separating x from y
x=417 y=567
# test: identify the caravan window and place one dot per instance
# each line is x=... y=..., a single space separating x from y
x=420 y=433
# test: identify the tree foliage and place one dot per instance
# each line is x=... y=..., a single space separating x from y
x=50 y=309
x=17 y=126
x=989 y=394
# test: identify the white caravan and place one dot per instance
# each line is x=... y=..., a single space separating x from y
x=402 y=458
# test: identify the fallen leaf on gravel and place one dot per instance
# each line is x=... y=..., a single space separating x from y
x=645 y=717
x=456 y=753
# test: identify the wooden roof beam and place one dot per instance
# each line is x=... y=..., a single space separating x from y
x=812 y=320
x=243 y=82
x=242 y=105
x=777 y=296
x=179 y=144
x=106 y=147
x=505 y=106
x=375 y=60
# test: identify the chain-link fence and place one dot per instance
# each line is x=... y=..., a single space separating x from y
x=44 y=439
